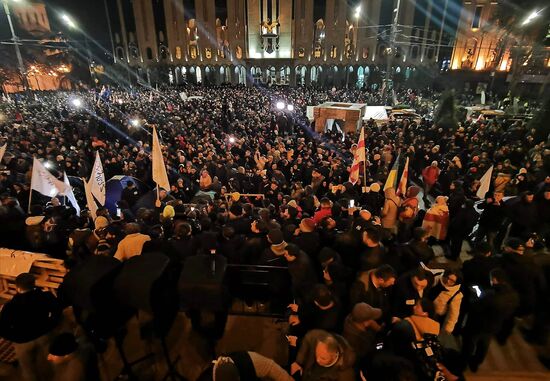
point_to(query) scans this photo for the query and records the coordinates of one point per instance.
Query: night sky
(88, 14)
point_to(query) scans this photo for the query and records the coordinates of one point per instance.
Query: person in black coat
(255, 242)
(237, 220)
(492, 218)
(523, 214)
(307, 237)
(461, 225)
(489, 315)
(27, 320)
(522, 277)
(409, 289)
(476, 271)
(130, 194)
(301, 271)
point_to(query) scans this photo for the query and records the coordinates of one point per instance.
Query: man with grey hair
(324, 355)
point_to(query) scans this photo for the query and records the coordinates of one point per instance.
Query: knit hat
(275, 236)
(362, 312)
(101, 222)
(168, 212)
(63, 345)
(308, 225)
(375, 187)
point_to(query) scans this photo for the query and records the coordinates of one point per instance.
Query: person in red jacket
(430, 175)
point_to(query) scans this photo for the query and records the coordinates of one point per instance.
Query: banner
(402, 187)
(159, 169)
(3, 151)
(97, 181)
(70, 195)
(485, 183)
(44, 182)
(92, 206)
(358, 158)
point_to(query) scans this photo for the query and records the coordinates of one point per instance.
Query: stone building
(294, 42)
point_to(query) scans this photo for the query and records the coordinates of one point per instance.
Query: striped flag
(485, 183)
(358, 158)
(402, 187)
(391, 181)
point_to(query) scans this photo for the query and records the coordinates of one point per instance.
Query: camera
(429, 353)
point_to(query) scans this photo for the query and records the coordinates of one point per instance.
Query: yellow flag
(159, 169)
(391, 182)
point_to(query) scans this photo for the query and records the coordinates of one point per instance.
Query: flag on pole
(402, 187)
(358, 158)
(92, 206)
(97, 181)
(391, 181)
(69, 194)
(159, 169)
(485, 183)
(3, 151)
(44, 182)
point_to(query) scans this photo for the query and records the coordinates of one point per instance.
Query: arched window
(149, 53)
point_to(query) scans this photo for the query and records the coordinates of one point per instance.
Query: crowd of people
(371, 298)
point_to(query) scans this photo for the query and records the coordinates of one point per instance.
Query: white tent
(376, 113)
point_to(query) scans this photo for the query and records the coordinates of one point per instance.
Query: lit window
(178, 53)
(476, 22)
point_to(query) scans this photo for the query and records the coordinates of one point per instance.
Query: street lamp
(69, 21)
(290, 107)
(533, 15)
(15, 40)
(134, 122)
(280, 105)
(76, 102)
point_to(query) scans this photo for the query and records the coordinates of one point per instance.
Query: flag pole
(30, 191)
(157, 204)
(364, 164)
(30, 200)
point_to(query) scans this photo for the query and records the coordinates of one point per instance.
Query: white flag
(92, 206)
(70, 195)
(97, 181)
(159, 169)
(2, 151)
(485, 183)
(44, 182)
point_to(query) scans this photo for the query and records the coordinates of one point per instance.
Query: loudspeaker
(88, 288)
(201, 283)
(145, 283)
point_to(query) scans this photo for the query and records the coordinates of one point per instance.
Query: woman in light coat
(390, 210)
(447, 298)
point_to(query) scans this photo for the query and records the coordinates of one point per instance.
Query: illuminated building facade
(294, 42)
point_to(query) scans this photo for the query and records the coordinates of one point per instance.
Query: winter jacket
(390, 210)
(447, 304)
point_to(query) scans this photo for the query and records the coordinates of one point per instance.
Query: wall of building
(291, 41)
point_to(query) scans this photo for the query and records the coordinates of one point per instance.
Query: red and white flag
(358, 158)
(402, 187)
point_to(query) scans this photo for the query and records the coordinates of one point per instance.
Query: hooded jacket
(390, 210)
(447, 304)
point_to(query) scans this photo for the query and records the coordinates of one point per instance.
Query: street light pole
(15, 40)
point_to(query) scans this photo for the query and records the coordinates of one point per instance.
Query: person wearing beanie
(360, 328)
(71, 360)
(27, 320)
(373, 200)
(274, 254)
(307, 238)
